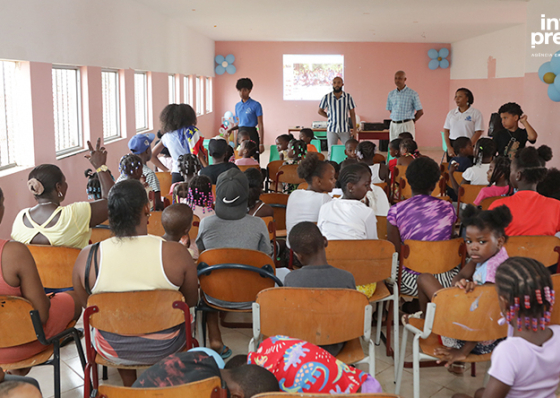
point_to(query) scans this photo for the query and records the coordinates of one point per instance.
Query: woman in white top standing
(304, 204)
(463, 121)
(347, 217)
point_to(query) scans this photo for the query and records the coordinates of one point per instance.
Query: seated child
(230, 154)
(511, 138)
(307, 135)
(350, 148)
(395, 153)
(409, 152)
(242, 136)
(463, 147)
(140, 144)
(248, 150)
(177, 222)
(130, 167)
(550, 186)
(339, 378)
(365, 154)
(526, 363)
(93, 187)
(405, 135)
(218, 149)
(477, 174)
(255, 206)
(498, 180)
(189, 166)
(485, 239)
(297, 150)
(347, 217)
(199, 364)
(282, 143)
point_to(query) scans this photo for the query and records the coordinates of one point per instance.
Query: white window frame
(8, 114)
(117, 116)
(188, 97)
(171, 82)
(209, 97)
(199, 96)
(78, 107)
(144, 124)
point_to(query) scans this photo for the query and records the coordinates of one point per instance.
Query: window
(188, 90)
(199, 96)
(8, 117)
(172, 96)
(208, 95)
(67, 110)
(141, 100)
(110, 93)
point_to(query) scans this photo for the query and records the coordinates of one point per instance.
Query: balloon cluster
(225, 64)
(438, 58)
(549, 73)
(227, 120)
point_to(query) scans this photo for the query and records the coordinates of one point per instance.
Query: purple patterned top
(423, 217)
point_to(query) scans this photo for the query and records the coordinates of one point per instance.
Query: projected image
(309, 77)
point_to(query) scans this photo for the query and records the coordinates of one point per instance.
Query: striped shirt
(403, 104)
(337, 110)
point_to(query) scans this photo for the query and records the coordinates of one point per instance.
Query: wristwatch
(102, 168)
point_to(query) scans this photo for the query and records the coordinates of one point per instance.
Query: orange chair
(55, 265)
(278, 202)
(485, 204)
(131, 314)
(555, 316)
(207, 388)
(303, 185)
(99, 233)
(193, 233)
(272, 169)
(379, 158)
(404, 188)
(309, 395)
(467, 194)
(155, 227)
(247, 167)
(288, 174)
(458, 177)
(271, 226)
(381, 227)
(165, 179)
(545, 249)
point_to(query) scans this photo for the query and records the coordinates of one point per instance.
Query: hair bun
(35, 186)
(468, 213)
(308, 165)
(545, 153)
(501, 216)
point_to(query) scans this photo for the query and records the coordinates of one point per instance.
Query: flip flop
(457, 368)
(226, 352)
(406, 317)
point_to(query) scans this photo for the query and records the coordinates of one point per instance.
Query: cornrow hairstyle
(188, 165)
(177, 116)
(366, 149)
(527, 286)
(460, 143)
(495, 220)
(299, 147)
(200, 193)
(410, 145)
(550, 186)
(531, 162)
(49, 175)
(251, 147)
(311, 167)
(352, 173)
(93, 187)
(486, 149)
(125, 203)
(255, 178)
(396, 144)
(129, 164)
(501, 170)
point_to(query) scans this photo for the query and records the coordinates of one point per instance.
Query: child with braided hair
(297, 149)
(365, 154)
(527, 363)
(484, 152)
(498, 180)
(189, 166)
(131, 168)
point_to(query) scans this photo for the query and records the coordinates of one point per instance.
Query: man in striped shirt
(336, 107)
(405, 107)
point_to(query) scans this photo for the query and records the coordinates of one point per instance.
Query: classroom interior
(170, 47)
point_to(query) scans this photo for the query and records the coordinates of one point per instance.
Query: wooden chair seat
(429, 345)
(36, 359)
(352, 352)
(164, 178)
(218, 308)
(381, 292)
(105, 362)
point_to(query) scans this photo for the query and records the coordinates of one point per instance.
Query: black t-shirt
(213, 171)
(508, 142)
(178, 369)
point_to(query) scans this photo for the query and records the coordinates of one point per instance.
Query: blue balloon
(444, 64)
(219, 59)
(433, 53)
(220, 70)
(544, 69)
(230, 59)
(231, 69)
(557, 83)
(226, 123)
(553, 94)
(555, 63)
(434, 63)
(444, 52)
(228, 115)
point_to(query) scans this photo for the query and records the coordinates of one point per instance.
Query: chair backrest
(317, 144)
(458, 177)
(155, 227)
(320, 156)
(269, 221)
(273, 168)
(485, 204)
(309, 395)
(368, 260)
(278, 202)
(378, 158)
(381, 227)
(247, 167)
(441, 186)
(214, 192)
(16, 327)
(164, 178)
(288, 174)
(405, 189)
(303, 185)
(55, 264)
(208, 388)
(443, 143)
(337, 153)
(100, 233)
(274, 155)
(318, 316)
(193, 233)
(469, 316)
(555, 316)
(234, 285)
(468, 193)
(136, 313)
(545, 249)
(433, 257)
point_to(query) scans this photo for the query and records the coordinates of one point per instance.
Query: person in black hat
(217, 149)
(231, 226)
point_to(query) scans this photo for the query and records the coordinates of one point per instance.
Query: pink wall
(369, 72)
(527, 91)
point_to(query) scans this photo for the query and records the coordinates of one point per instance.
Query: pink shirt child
(489, 192)
(246, 162)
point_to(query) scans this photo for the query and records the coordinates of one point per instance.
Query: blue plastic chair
(337, 153)
(274, 155)
(316, 144)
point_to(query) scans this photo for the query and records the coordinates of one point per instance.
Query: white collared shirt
(463, 124)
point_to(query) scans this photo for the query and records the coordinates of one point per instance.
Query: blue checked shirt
(337, 111)
(403, 104)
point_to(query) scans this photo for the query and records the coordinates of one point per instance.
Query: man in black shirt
(512, 138)
(217, 148)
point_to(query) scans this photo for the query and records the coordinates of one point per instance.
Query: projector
(319, 125)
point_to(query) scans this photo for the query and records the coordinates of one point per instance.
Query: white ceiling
(441, 21)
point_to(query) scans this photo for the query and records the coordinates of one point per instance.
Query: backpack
(495, 124)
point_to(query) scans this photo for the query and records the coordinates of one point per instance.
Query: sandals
(226, 352)
(406, 317)
(457, 368)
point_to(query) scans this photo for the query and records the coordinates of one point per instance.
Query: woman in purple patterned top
(422, 217)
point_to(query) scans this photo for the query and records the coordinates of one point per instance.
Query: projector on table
(319, 125)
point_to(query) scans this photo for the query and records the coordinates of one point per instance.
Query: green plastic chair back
(316, 144)
(443, 143)
(320, 134)
(273, 153)
(337, 153)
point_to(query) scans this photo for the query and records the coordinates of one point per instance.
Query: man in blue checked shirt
(336, 107)
(405, 107)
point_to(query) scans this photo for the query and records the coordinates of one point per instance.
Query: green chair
(443, 146)
(337, 153)
(274, 155)
(316, 144)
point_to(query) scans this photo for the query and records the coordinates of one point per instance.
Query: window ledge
(112, 140)
(67, 155)
(13, 170)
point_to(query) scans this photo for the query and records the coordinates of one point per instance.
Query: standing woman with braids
(527, 363)
(533, 214)
(49, 223)
(498, 180)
